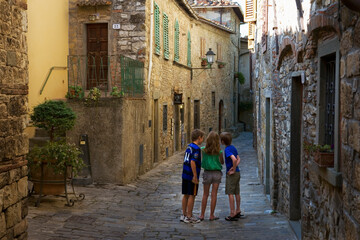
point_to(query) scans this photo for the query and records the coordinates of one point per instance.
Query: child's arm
(237, 160)
(221, 158)
(193, 168)
(233, 168)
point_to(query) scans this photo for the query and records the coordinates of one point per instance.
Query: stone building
(151, 52)
(13, 119)
(306, 79)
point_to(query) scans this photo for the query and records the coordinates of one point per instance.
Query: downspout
(151, 43)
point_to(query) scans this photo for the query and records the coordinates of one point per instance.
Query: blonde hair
(212, 144)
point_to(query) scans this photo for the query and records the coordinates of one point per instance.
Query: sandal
(230, 218)
(213, 219)
(239, 215)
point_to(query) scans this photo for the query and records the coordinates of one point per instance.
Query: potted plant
(221, 64)
(75, 92)
(94, 94)
(49, 163)
(204, 62)
(115, 92)
(323, 154)
(240, 77)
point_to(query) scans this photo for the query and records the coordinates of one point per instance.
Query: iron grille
(330, 102)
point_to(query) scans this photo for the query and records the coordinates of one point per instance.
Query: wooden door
(97, 55)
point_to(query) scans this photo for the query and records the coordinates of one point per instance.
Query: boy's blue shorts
(189, 188)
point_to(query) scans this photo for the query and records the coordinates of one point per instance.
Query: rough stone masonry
(13, 118)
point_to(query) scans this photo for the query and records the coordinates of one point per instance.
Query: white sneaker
(192, 220)
(182, 217)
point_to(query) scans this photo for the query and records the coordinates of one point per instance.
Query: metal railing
(106, 72)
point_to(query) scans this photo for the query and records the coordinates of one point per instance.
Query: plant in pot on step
(50, 162)
(323, 154)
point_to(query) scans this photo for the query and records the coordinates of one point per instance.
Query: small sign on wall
(116, 26)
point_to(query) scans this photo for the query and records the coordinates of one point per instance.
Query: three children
(211, 162)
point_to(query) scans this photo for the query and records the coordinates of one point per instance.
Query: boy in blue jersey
(190, 176)
(232, 185)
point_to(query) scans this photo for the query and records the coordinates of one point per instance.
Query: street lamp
(210, 55)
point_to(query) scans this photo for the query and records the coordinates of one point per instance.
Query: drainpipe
(151, 42)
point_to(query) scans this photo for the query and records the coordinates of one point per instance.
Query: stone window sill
(329, 174)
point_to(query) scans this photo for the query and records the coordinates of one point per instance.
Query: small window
(213, 99)
(219, 52)
(202, 47)
(165, 118)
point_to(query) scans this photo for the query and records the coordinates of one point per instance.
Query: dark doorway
(188, 132)
(177, 127)
(267, 153)
(197, 114)
(97, 56)
(221, 107)
(156, 130)
(295, 149)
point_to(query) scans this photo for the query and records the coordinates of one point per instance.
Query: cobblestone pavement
(150, 208)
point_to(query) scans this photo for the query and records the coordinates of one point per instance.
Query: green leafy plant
(115, 92)
(94, 94)
(58, 156)
(311, 147)
(240, 77)
(53, 116)
(75, 92)
(56, 118)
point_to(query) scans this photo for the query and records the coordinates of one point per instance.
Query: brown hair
(226, 138)
(212, 144)
(196, 134)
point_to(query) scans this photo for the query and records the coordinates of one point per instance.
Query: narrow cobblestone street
(150, 208)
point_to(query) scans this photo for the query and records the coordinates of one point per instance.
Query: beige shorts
(232, 185)
(210, 177)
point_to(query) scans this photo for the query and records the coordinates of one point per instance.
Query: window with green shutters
(189, 50)
(176, 53)
(157, 28)
(166, 36)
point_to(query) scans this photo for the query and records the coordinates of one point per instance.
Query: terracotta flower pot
(53, 184)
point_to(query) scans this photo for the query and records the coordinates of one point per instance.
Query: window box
(324, 159)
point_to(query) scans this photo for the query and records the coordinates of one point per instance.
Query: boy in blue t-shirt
(232, 186)
(190, 176)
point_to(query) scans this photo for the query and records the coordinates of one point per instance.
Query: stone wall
(329, 196)
(13, 119)
(115, 130)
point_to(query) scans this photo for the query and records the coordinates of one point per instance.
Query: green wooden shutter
(189, 50)
(157, 28)
(176, 54)
(166, 36)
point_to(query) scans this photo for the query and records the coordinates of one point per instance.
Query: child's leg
(214, 191)
(238, 199)
(204, 200)
(184, 203)
(232, 205)
(190, 206)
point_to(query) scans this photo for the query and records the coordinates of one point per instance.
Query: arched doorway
(221, 109)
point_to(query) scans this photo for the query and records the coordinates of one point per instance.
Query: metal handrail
(48, 76)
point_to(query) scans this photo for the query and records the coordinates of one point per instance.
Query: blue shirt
(192, 153)
(230, 150)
